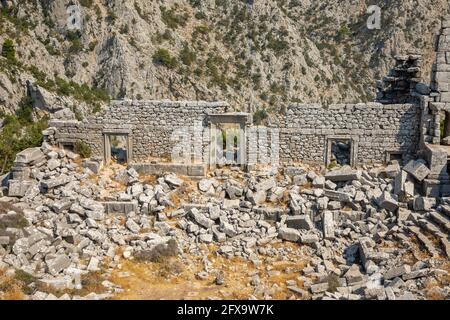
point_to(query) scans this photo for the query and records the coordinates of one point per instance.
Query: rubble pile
(358, 225)
(403, 80)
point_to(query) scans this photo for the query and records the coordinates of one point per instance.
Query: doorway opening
(119, 149)
(228, 139)
(69, 146)
(341, 152)
(444, 128)
(228, 151)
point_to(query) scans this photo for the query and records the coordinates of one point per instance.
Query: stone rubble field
(363, 234)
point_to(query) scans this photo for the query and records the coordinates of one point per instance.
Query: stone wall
(150, 125)
(305, 130)
(374, 129)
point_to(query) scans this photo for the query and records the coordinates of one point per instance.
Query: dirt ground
(176, 278)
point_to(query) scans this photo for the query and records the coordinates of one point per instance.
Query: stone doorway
(227, 139)
(444, 127)
(340, 151)
(117, 147)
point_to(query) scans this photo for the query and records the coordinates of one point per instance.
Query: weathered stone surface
(388, 202)
(201, 219)
(417, 169)
(397, 272)
(353, 274)
(289, 234)
(337, 195)
(19, 188)
(265, 185)
(346, 173)
(55, 182)
(230, 204)
(299, 222)
(173, 180)
(58, 264)
(133, 226)
(424, 203)
(328, 225)
(30, 155)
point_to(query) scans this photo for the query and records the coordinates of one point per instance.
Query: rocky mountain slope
(254, 54)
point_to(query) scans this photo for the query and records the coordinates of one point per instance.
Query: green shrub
(83, 149)
(19, 132)
(201, 30)
(92, 45)
(259, 116)
(73, 35)
(172, 19)
(75, 38)
(76, 46)
(124, 29)
(86, 3)
(8, 50)
(24, 112)
(187, 56)
(111, 17)
(343, 32)
(163, 57)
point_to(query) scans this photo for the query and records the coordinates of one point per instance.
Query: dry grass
(10, 287)
(175, 277)
(91, 282)
(149, 179)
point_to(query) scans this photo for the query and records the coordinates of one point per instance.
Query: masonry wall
(305, 129)
(150, 125)
(374, 129)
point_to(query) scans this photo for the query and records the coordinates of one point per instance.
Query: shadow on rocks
(158, 253)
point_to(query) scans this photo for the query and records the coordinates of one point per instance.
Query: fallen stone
(230, 204)
(418, 169)
(318, 182)
(416, 274)
(58, 264)
(30, 155)
(265, 185)
(353, 275)
(423, 203)
(397, 272)
(392, 170)
(132, 226)
(388, 202)
(289, 234)
(55, 182)
(201, 219)
(345, 173)
(173, 180)
(328, 225)
(302, 222)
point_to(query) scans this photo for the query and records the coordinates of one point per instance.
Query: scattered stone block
(418, 169)
(346, 173)
(397, 272)
(289, 234)
(328, 225)
(302, 222)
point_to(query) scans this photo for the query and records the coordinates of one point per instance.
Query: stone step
(436, 231)
(445, 209)
(428, 244)
(445, 244)
(441, 220)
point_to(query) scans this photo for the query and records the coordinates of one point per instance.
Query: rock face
(104, 44)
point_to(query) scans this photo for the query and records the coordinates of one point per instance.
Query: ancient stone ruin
(359, 186)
